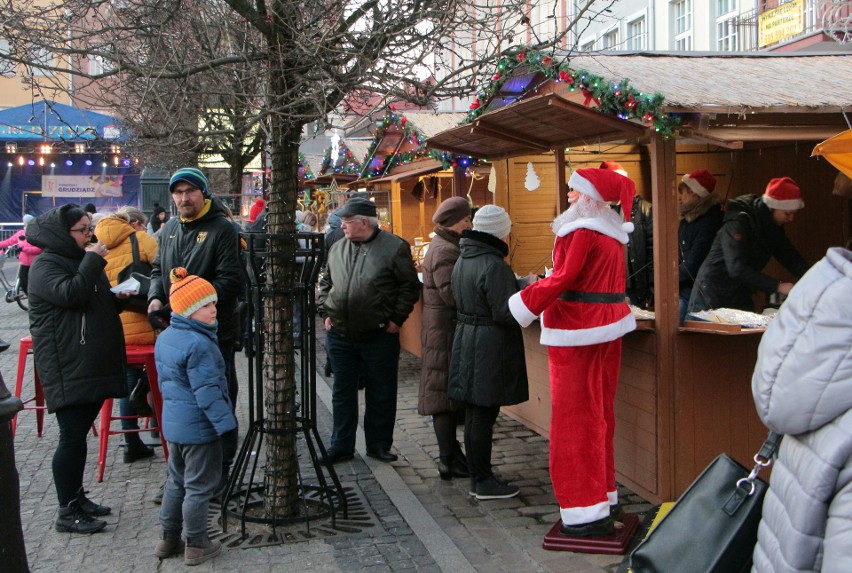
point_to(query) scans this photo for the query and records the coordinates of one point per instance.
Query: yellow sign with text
(781, 23)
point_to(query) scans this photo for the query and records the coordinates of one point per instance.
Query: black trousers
(478, 439)
(69, 460)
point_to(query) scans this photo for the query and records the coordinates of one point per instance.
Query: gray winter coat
(802, 387)
(487, 367)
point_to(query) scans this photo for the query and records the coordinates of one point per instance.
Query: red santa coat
(588, 256)
(585, 360)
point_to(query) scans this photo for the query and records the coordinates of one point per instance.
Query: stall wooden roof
(728, 100)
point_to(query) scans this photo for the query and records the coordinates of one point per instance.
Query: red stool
(25, 349)
(140, 356)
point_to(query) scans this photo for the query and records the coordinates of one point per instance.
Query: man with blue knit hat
(203, 241)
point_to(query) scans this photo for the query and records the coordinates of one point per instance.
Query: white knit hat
(493, 220)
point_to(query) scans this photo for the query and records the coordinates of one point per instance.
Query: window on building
(726, 25)
(7, 68)
(682, 24)
(96, 65)
(588, 46)
(636, 34)
(42, 59)
(610, 40)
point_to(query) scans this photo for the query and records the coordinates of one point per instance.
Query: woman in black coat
(78, 346)
(487, 368)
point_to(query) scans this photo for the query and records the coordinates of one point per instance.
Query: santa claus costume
(583, 317)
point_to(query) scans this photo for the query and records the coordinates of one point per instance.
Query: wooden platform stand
(615, 544)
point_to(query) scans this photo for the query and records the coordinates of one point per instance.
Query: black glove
(22, 238)
(159, 319)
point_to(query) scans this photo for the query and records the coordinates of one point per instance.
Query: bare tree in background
(226, 76)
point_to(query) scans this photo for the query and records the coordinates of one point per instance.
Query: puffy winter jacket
(28, 251)
(115, 234)
(77, 338)
(438, 324)
(196, 406)
(731, 273)
(802, 387)
(207, 246)
(367, 284)
(488, 367)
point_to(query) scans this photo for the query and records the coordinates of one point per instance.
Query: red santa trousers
(583, 380)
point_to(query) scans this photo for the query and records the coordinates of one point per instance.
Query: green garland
(346, 164)
(394, 119)
(617, 99)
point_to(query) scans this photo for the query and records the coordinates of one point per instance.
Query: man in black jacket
(368, 290)
(752, 233)
(202, 240)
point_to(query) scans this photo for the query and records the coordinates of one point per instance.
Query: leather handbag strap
(134, 246)
(769, 447)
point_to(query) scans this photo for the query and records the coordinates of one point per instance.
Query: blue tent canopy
(47, 120)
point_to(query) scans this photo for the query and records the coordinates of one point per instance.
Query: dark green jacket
(487, 366)
(368, 284)
(208, 247)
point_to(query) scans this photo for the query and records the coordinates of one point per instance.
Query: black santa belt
(600, 297)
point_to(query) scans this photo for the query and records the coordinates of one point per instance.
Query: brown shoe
(170, 545)
(195, 555)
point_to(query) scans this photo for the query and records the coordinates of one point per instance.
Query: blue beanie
(192, 176)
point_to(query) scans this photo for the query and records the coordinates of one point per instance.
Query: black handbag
(139, 270)
(712, 527)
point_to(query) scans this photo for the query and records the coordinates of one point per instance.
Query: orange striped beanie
(189, 292)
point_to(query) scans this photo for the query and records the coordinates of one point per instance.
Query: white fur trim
(628, 227)
(696, 187)
(587, 336)
(583, 185)
(520, 311)
(613, 497)
(581, 515)
(621, 172)
(783, 205)
(600, 225)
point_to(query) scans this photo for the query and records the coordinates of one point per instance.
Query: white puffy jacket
(802, 387)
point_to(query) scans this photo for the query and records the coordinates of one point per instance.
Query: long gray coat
(488, 367)
(438, 323)
(802, 387)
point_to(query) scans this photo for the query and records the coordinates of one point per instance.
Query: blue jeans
(194, 474)
(378, 359)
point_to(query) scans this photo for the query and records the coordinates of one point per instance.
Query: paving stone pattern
(490, 536)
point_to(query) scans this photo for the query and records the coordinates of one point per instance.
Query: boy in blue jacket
(196, 412)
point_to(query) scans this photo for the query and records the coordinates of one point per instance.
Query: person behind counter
(640, 248)
(700, 210)
(437, 332)
(751, 234)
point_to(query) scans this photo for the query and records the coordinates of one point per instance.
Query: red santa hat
(614, 166)
(700, 182)
(605, 185)
(783, 193)
(256, 210)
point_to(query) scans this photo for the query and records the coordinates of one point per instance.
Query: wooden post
(561, 183)
(664, 200)
(459, 181)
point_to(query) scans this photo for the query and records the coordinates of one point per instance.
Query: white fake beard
(587, 208)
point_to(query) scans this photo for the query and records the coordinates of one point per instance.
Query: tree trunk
(281, 487)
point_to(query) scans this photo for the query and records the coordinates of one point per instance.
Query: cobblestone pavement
(418, 522)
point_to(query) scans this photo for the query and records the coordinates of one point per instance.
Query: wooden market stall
(684, 394)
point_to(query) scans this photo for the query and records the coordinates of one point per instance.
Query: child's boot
(200, 549)
(169, 545)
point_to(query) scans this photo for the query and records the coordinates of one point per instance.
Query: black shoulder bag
(712, 528)
(141, 271)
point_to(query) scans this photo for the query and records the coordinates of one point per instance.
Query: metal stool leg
(106, 418)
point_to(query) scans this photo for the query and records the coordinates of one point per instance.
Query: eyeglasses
(85, 230)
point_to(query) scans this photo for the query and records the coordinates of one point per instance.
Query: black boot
(72, 519)
(454, 465)
(135, 449)
(90, 506)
